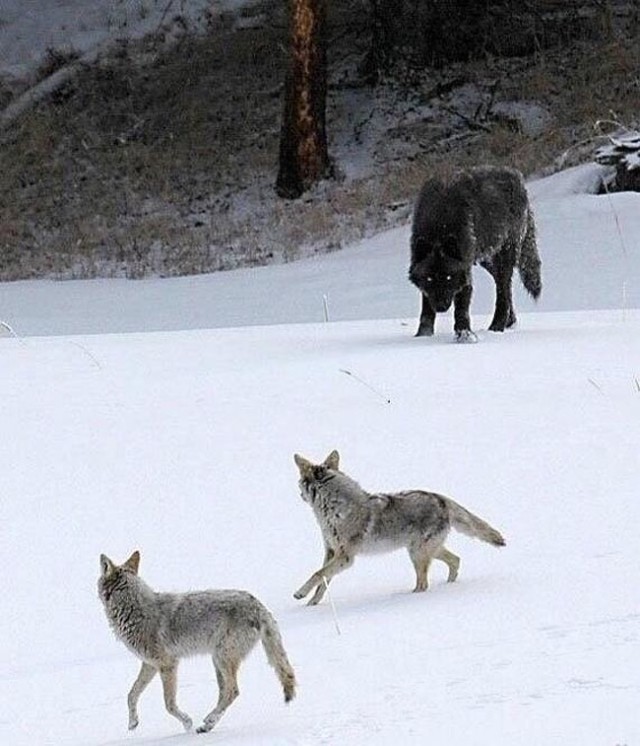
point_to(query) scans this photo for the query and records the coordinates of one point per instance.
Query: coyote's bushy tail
(468, 523)
(529, 264)
(276, 654)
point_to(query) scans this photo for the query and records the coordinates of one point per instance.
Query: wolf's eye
(448, 278)
(429, 279)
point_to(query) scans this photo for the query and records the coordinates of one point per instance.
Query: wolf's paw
(187, 723)
(466, 336)
(204, 728)
(424, 332)
(133, 723)
(299, 594)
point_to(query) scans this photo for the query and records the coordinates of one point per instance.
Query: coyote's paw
(133, 723)
(187, 723)
(453, 572)
(466, 336)
(299, 594)
(209, 722)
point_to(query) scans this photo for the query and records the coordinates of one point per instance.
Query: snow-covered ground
(28, 28)
(180, 444)
(589, 245)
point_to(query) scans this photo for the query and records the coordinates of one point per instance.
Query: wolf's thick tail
(276, 654)
(468, 523)
(529, 264)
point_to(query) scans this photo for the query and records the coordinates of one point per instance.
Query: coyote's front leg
(320, 589)
(147, 672)
(339, 562)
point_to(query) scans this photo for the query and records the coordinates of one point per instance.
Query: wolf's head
(112, 575)
(439, 277)
(311, 474)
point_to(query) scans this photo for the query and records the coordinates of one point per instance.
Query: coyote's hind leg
(227, 676)
(451, 560)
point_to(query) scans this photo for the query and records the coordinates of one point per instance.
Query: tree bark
(304, 157)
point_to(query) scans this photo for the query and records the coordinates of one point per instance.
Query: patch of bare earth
(161, 159)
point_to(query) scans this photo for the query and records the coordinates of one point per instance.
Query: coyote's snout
(161, 628)
(354, 521)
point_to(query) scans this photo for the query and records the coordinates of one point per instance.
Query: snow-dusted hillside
(180, 445)
(589, 246)
(29, 28)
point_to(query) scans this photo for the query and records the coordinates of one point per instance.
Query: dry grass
(163, 161)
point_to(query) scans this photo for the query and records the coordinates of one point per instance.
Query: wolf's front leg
(462, 320)
(147, 672)
(339, 563)
(427, 321)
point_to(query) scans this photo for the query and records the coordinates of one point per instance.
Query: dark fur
(480, 216)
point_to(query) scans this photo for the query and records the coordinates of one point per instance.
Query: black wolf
(481, 216)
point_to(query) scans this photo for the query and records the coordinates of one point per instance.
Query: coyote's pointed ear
(133, 563)
(303, 465)
(106, 565)
(333, 461)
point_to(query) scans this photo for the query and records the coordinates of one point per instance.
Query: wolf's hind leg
(451, 560)
(227, 676)
(147, 672)
(169, 676)
(338, 563)
(501, 269)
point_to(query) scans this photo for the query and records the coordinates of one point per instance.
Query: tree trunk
(304, 158)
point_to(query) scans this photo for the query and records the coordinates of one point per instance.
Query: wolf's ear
(304, 466)
(133, 563)
(106, 566)
(333, 461)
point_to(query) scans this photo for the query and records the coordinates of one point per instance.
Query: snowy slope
(180, 444)
(588, 243)
(28, 28)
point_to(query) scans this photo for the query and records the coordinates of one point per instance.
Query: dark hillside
(161, 159)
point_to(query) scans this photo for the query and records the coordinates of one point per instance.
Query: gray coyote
(161, 628)
(353, 521)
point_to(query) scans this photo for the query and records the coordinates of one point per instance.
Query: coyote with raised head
(161, 628)
(353, 521)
